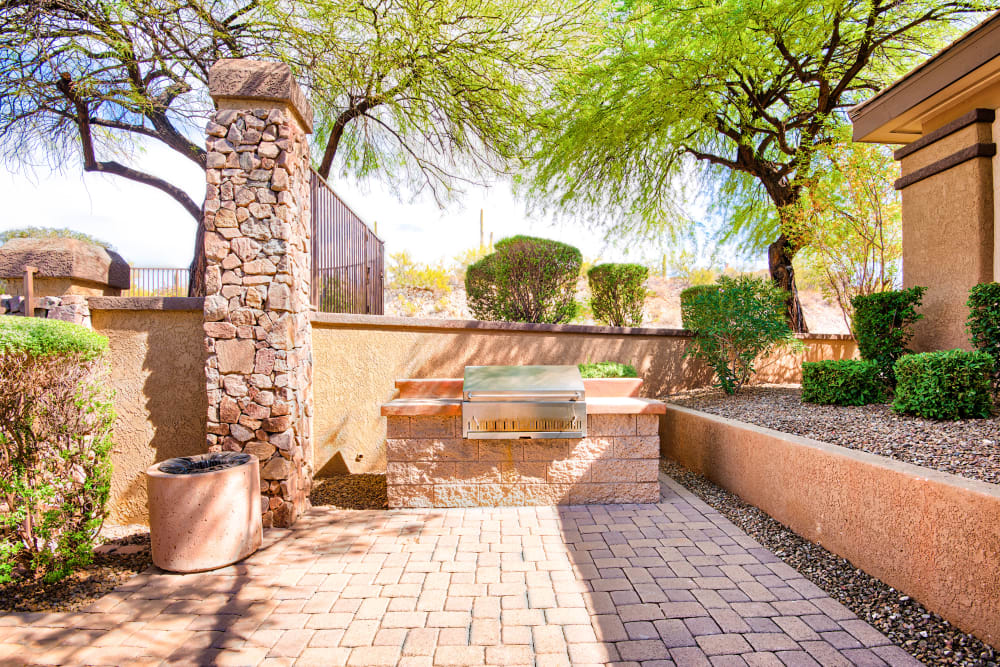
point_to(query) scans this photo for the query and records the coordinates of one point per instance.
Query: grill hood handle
(564, 396)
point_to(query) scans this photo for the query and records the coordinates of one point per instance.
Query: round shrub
(944, 385)
(689, 294)
(842, 382)
(735, 324)
(883, 326)
(618, 293)
(55, 437)
(984, 324)
(526, 279)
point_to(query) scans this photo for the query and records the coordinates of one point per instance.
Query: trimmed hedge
(607, 369)
(984, 324)
(883, 326)
(618, 293)
(526, 279)
(951, 384)
(40, 337)
(689, 294)
(842, 382)
(55, 445)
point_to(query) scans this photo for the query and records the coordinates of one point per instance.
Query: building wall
(358, 358)
(157, 372)
(948, 234)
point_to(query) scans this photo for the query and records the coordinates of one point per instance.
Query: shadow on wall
(157, 372)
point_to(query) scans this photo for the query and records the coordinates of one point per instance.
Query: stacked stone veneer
(258, 338)
(431, 465)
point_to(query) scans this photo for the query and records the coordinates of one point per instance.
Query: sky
(148, 228)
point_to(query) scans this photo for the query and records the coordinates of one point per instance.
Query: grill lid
(522, 383)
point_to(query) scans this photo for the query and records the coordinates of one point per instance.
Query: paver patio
(670, 583)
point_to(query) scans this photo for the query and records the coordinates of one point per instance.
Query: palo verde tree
(427, 92)
(739, 92)
(430, 93)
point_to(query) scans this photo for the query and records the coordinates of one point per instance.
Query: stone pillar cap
(64, 258)
(246, 79)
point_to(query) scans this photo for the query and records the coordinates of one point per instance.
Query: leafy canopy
(738, 91)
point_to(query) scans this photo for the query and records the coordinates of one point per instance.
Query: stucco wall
(157, 371)
(948, 235)
(358, 358)
(926, 533)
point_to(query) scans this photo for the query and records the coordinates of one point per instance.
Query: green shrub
(526, 279)
(55, 438)
(984, 324)
(842, 382)
(688, 295)
(883, 326)
(735, 324)
(944, 385)
(607, 369)
(618, 293)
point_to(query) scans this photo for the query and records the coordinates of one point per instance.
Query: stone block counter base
(430, 464)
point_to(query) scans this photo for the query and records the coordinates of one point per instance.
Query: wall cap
(146, 303)
(384, 322)
(246, 79)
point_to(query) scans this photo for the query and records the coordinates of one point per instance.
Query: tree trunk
(779, 263)
(196, 278)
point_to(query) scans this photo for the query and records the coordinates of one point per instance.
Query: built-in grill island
(521, 435)
(502, 402)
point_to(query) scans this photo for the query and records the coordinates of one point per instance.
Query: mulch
(123, 553)
(365, 491)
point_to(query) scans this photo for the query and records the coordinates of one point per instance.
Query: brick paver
(672, 583)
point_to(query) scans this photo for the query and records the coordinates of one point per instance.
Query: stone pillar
(257, 330)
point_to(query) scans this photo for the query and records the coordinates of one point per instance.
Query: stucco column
(257, 330)
(948, 207)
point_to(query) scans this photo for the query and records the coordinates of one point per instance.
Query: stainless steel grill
(523, 402)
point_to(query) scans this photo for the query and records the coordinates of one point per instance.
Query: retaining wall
(932, 535)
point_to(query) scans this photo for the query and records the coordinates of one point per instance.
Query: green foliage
(951, 384)
(430, 95)
(526, 279)
(617, 293)
(56, 418)
(984, 324)
(734, 325)
(607, 369)
(850, 218)
(51, 233)
(40, 337)
(406, 273)
(688, 296)
(883, 326)
(842, 382)
(726, 100)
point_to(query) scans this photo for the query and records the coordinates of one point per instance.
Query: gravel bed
(350, 492)
(123, 552)
(922, 633)
(970, 447)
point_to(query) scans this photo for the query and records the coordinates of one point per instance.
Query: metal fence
(147, 281)
(348, 260)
